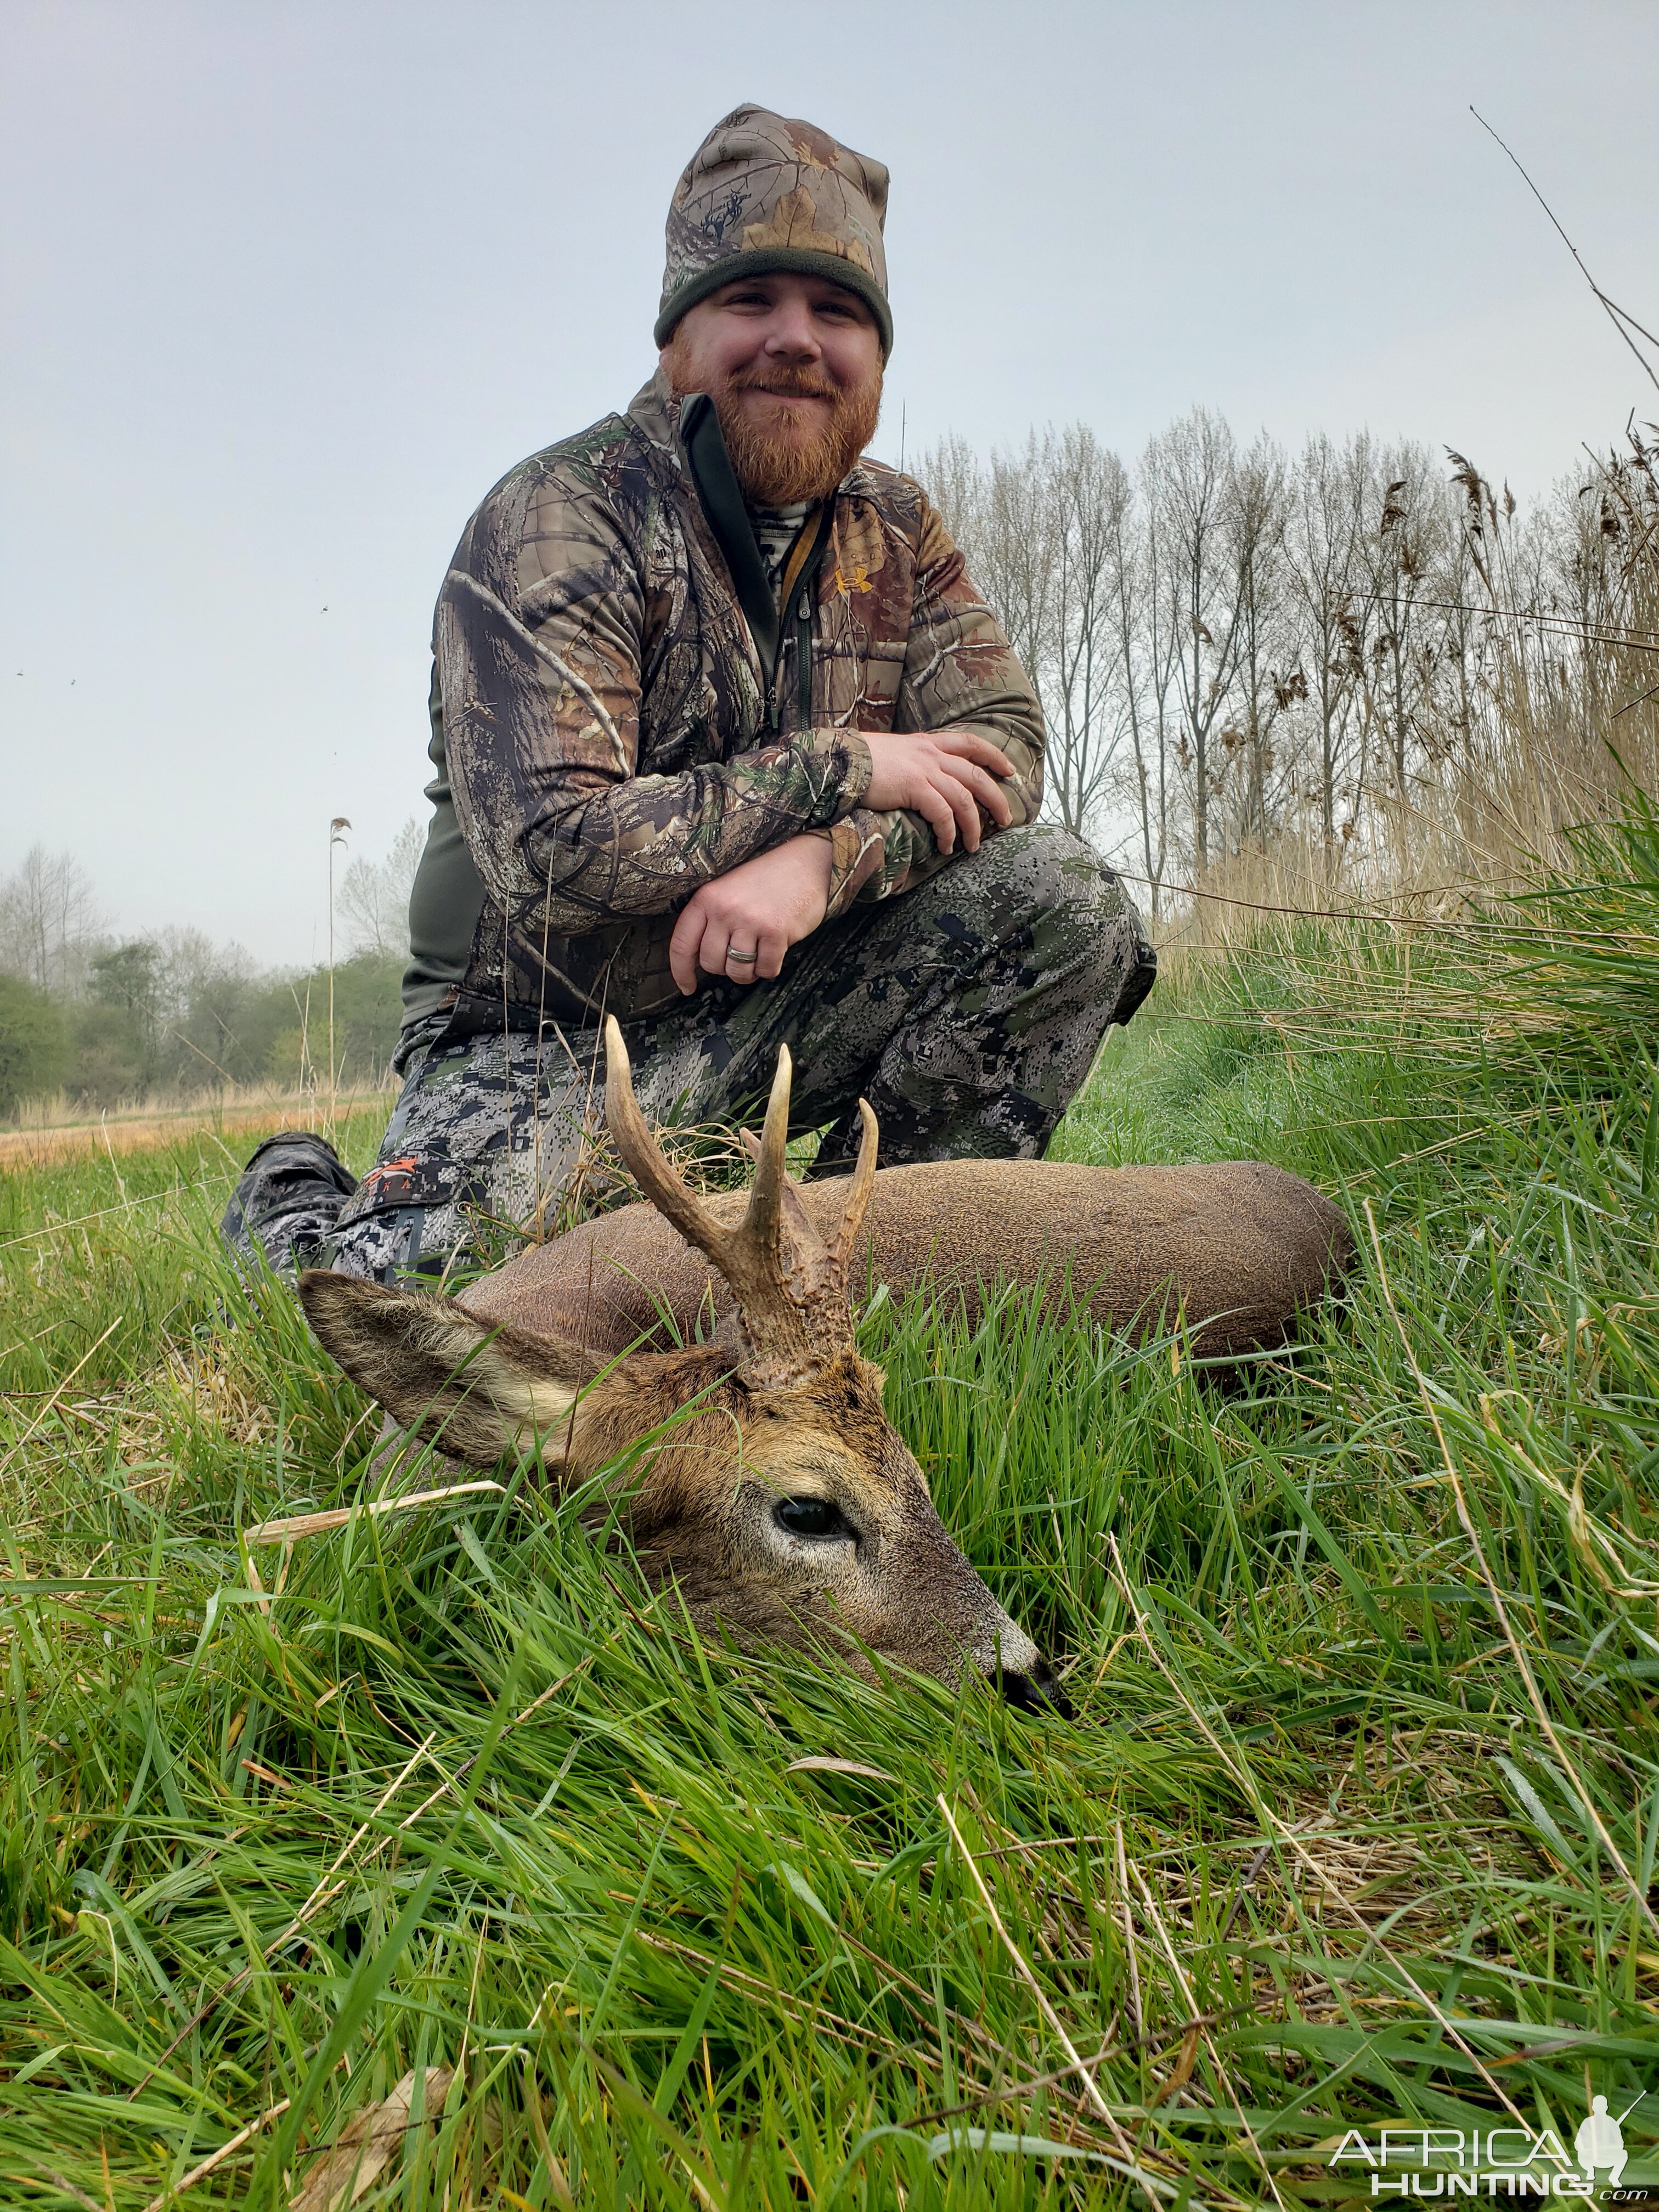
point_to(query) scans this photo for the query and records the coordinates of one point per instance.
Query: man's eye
(810, 1517)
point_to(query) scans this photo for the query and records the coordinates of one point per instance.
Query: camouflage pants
(967, 1011)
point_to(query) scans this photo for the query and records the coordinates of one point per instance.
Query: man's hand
(741, 924)
(945, 776)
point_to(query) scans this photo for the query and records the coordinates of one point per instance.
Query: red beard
(797, 452)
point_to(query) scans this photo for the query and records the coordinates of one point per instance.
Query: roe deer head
(767, 1483)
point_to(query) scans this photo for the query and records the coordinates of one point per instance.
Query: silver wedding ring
(744, 959)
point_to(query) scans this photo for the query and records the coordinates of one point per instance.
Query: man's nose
(790, 334)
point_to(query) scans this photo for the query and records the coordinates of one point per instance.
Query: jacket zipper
(803, 664)
(804, 586)
(803, 655)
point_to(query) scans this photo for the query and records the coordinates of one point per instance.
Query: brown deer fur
(1239, 1247)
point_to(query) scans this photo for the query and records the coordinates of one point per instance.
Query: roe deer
(773, 1490)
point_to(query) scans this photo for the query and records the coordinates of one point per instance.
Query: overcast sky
(288, 286)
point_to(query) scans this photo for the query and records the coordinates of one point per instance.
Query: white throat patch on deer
(760, 1475)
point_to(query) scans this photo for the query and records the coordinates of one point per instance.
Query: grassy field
(55, 1133)
(1355, 1825)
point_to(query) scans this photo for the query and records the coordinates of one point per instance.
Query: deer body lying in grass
(763, 1476)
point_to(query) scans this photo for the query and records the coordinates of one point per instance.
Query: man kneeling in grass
(727, 745)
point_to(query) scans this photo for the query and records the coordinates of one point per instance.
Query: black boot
(287, 1200)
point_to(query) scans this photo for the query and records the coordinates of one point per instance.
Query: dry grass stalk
(314, 1524)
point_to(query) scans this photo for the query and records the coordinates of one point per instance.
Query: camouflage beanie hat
(764, 192)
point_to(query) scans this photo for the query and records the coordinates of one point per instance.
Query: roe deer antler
(790, 1286)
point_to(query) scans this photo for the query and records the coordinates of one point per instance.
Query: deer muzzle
(1037, 1690)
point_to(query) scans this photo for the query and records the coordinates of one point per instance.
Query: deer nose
(1037, 1691)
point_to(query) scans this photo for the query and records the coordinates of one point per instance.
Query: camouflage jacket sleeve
(960, 673)
(542, 634)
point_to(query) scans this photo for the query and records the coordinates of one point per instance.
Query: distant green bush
(287, 1025)
(33, 1044)
(139, 1031)
(105, 1058)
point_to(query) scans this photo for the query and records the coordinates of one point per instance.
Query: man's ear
(473, 1390)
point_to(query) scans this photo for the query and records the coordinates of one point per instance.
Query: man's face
(793, 367)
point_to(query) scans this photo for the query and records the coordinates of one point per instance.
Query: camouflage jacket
(600, 710)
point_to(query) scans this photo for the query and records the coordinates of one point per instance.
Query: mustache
(784, 383)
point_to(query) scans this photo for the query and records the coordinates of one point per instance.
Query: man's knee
(1045, 890)
(1019, 877)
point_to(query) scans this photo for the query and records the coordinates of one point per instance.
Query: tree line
(1328, 656)
(104, 1017)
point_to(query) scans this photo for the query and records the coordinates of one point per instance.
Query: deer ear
(474, 1390)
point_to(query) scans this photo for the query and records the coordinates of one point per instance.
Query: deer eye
(810, 1517)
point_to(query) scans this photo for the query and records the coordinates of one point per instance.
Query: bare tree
(1404, 547)
(1088, 497)
(1189, 476)
(373, 896)
(955, 480)
(1148, 637)
(1326, 584)
(49, 922)
(1019, 555)
(1036, 528)
(1268, 648)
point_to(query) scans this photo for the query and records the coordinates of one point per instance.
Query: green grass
(1365, 1778)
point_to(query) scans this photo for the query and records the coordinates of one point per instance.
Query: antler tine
(791, 1293)
(644, 1158)
(858, 1197)
(760, 1222)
